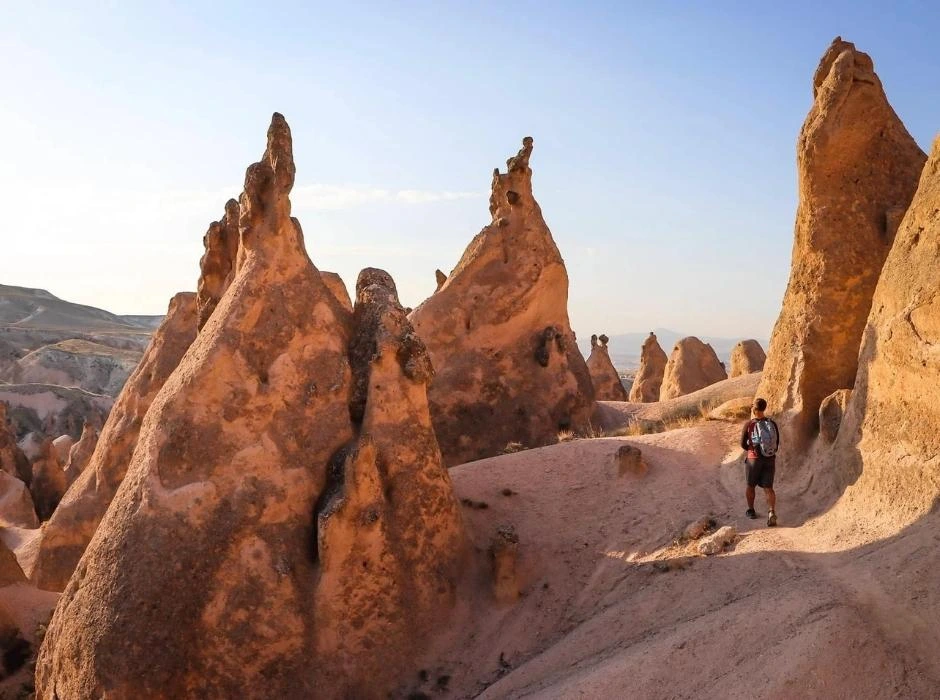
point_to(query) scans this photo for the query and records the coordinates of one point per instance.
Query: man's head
(759, 407)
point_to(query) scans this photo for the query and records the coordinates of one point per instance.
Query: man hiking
(761, 439)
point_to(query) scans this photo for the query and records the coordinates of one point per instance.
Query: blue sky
(664, 139)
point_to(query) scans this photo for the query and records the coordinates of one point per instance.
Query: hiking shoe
(771, 519)
(751, 514)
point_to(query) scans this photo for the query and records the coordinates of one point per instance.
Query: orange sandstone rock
(217, 266)
(747, 357)
(507, 365)
(693, 365)
(285, 516)
(858, 169)
(888, 443)
(65, 537)
(649, 377)
(12, 459)
(604, 377)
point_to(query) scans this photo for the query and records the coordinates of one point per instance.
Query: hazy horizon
(664, 156)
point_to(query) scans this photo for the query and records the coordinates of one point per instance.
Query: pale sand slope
(805, 610)
(613, 415)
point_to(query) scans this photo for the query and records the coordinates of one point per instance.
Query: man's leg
(771, 498)
(749, 493)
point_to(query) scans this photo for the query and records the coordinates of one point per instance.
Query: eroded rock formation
(604, 376)
(48, 483)
(390, 535)
(80, 453)
(217, 266)
(649, 377)
(889, 430)
(746, 357)
(693, 365)
(288, 467)
(336, 285)
(67, 534)
(507, 365)
(858, 169)
(12, 459)
(16, 503)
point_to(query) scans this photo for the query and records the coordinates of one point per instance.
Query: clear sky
(665, 138)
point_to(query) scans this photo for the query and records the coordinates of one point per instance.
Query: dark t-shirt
(752, 450)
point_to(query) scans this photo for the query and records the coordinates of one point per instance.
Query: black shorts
(760, 472)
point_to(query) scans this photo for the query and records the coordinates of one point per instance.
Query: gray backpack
(764, 437)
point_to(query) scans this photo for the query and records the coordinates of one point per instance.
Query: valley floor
(615, 605)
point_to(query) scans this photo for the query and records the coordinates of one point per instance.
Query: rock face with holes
(65, 537)
(287, 467)
(604, 377)
(507, 365)
(389, 527)
(693, 365)
(888, 442)
(649, 377)
(858, 169)
(747, 357)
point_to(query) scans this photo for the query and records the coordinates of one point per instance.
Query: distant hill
(625, 347)
(37, 309)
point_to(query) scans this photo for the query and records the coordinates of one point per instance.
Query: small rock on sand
(717, 541)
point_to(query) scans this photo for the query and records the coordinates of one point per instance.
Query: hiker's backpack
(764, 437)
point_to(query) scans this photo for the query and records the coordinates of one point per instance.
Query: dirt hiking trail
(615, 604)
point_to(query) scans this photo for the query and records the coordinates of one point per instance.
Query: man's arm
(746, 437)
(777, 428)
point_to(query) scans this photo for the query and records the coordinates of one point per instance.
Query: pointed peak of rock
(280, 153)
(845, 61)
(520, 161)
(264, 205)
(512, 189)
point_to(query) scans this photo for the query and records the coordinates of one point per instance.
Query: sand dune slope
(612, 606)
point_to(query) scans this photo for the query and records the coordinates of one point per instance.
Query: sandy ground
(613, 606)
(613, 415)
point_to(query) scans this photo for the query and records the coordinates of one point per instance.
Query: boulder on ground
(693, 365)
(746, 357)
(716, 542)
(858, 169)
(507, 366)
(649, 377)
(629, 460)
(604, 376)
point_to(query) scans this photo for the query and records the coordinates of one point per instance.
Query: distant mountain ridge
(625, 348)
(23, 307)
